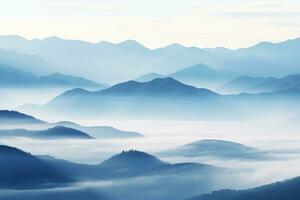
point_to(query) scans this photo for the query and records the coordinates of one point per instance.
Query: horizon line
(140, 43)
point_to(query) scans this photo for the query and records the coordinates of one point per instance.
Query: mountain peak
(158, 87)
(132, 158)
(131, 44)
(11, 116)
(11, 151)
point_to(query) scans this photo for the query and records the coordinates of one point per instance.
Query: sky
(155, 23)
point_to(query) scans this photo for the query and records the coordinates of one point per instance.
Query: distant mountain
(20, 170)
(288, 189)
(71, 56)
(26, 62)
(149, 77)
(261, 84)
(14, 117)
(167, 98)
(241, 84)
(57, 132)
(158, 87)
(10, 76)
(69, 81)
(217, 148)
(195, 72)
(101, 131)
(15, 78)
(134, 99)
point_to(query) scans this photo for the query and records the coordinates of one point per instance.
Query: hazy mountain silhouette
(135, 99)
(15, 78)
(71, 81)
(14, 124)
(262, 84)
(157, 87)
(217, 148)
(22, 170)
(241, 84)
(14, 117)
(149, 77)
(130, 163)
(135, 59)
(198, 72)
(31, 63)
(101, 131)
(133, 167)
(277, 191)
(57, 132)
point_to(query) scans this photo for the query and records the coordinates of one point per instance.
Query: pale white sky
(155, 23)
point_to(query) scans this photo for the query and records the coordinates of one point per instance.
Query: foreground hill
(142, 173)
(288, 190)
(217, 148)
(22, 170)
(57, 132)
(160, 87)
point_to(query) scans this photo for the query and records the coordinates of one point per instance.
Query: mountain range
(16, 78)
(133, 99)
(72, 56)
(262, 84)
(58, 132)
(199, 75)
(14, 117)
(167, 98)
(45, 169)
(16, 124)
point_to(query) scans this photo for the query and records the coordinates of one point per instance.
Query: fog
(12, 98)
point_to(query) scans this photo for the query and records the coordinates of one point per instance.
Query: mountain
(241, 84)
(149, 77)
(10, 76)
(101, 131)
(288, 189)
(58, 79)
(261, 84)
(72, 56)
(25, 62)
(127, 164)
(14, 117)
(134, 168)
(134, 99)
(57, 132)
(158, 87)
(15, 78)
(14, 124)
(217, 148)
(132, 159)
(195, 72)
(21, 170)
